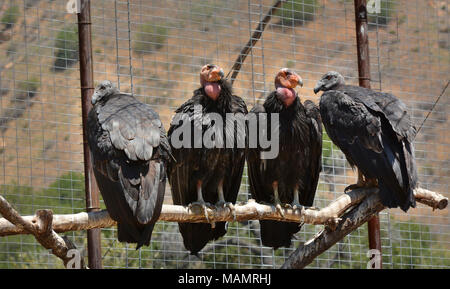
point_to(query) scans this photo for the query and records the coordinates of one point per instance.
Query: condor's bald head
(285, 82)
(210, 77)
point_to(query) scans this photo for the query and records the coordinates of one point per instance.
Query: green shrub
(296, 12)
(29, 87)
(66, 45)
(65, 195)
(149, 38)
(10, 16)
(11, 49)
(67, 187)
(409, 245)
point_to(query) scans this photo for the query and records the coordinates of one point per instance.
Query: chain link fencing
(155, 49)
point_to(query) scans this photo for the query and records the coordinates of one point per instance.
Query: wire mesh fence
(155, 49)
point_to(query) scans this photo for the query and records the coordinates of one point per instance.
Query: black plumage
(297, 167)
(129, 150)
(375, 132)
(199, 173)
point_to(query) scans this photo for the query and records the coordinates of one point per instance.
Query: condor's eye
(328, 77)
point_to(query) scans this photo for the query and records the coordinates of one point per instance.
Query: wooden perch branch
(349, 222)
(171, 213)
(40, 226)
(248, 211)
(430, 198)
(255, 211)
(44, 225)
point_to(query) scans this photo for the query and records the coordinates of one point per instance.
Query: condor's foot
(294, 206)
(201, 206)
(362, 183)
(229, 205)
(223, 204)
(371, 183)
(279, 209)
(277, 201)
(354, 187)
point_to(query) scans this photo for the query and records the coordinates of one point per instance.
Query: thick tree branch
(349, 222)
(40, 226)
(430, 198)
(248, 211)
(44, 225)
(171, 213)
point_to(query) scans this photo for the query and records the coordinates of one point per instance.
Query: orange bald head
(210, 75)
(287, 78)
(285, 82)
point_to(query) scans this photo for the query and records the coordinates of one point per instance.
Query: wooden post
(362, 42)
(87, 88)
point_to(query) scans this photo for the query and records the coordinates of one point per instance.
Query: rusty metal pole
(87, 88)
(362, 42)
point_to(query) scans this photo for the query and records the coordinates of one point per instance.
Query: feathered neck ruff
(274, 105)
(292, 120)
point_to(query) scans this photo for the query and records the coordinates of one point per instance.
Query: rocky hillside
(40, 123)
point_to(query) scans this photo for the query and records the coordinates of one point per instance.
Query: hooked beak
(318, 86)
(94, 98)
(300, 81)
(215, 74)
(291, 81)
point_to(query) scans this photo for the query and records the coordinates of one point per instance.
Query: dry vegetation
(47, 132)
(42, 139)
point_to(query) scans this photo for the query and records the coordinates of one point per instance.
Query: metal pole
(362, 42)
(87, 88)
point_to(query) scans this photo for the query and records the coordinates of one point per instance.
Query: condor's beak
(94, 98)
(318, 86)
(215, 74)
(299, 81)
(291, 81)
